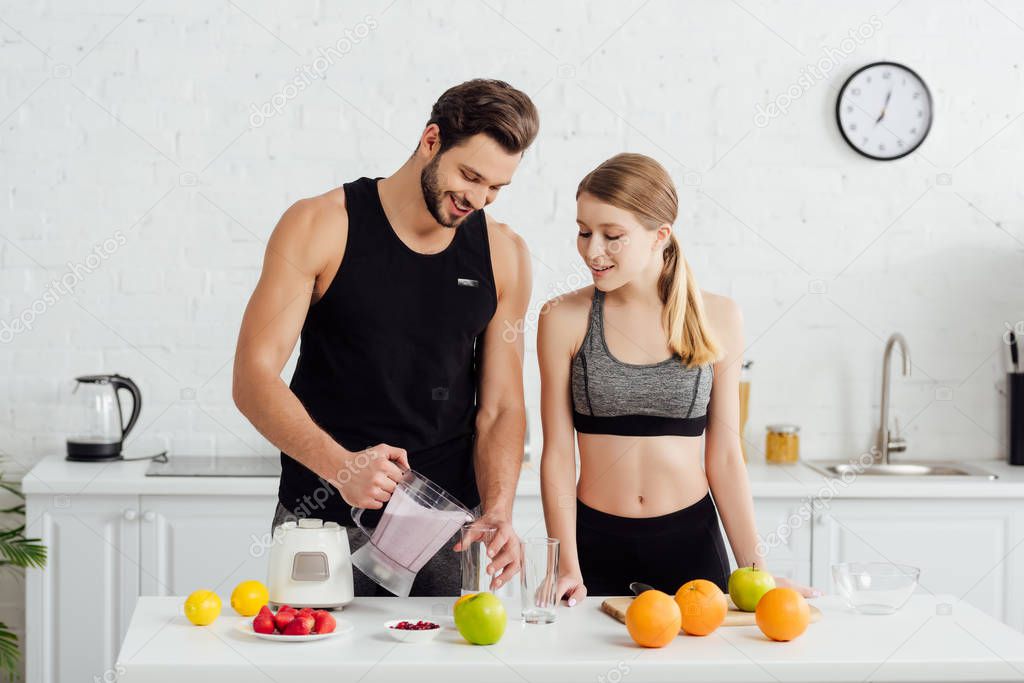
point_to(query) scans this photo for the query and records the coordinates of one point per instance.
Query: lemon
(248, 597)
(202, 607)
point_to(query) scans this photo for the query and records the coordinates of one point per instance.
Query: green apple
(481, 618)
(747, 585)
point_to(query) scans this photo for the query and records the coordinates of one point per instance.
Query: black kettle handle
(120, 382)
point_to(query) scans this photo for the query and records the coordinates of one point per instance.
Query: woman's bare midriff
(640, 476)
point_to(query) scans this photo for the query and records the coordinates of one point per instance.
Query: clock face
(884, 111)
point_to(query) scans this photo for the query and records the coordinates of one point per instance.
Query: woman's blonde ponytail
(683, 315)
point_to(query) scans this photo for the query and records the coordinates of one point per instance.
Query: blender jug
(415, 523)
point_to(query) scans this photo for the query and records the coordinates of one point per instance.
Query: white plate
(245, 626)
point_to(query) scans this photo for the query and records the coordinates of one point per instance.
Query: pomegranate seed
(417, 626)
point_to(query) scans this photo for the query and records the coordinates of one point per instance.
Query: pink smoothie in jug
(410, 534)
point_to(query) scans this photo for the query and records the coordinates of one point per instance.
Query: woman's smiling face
(613, 243)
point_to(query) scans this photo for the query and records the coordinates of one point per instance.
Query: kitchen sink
(917, 468)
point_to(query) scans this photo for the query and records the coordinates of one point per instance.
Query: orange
(653, 619)
(702, 605)
(782, 614)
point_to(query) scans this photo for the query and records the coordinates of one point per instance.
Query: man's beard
(433, 197)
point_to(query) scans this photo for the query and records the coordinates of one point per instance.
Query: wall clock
(884, 111)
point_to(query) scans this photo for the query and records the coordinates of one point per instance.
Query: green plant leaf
(16, 552)
(23, 552)
(12, 488)
(9, 652)
(12, 533)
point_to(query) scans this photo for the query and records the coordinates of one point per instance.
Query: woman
(640, 365)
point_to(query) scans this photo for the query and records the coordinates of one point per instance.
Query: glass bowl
(875, 587)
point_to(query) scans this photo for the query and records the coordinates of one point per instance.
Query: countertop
(55, 475)
(934, 638)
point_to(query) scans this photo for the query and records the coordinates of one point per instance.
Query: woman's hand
(570, 588)
(806, 591)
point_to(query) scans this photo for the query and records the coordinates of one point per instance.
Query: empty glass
(474, 539)
(875, 587)
(539, 580)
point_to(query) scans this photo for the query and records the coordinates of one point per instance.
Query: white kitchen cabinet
(784, 527)
(193, 542)
(106, 551)
(528, 517)
(79, 605)
(969, 548)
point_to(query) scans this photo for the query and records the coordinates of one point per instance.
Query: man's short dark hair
(487, 106)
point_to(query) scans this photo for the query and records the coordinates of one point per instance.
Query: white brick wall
(143, 124)
(139, 121)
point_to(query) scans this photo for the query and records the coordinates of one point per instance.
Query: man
(401, 288)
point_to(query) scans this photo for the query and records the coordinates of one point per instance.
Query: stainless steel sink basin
(917, 468)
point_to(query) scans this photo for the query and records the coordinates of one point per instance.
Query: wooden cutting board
(616, 607)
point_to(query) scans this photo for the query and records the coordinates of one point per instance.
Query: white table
(934, 638)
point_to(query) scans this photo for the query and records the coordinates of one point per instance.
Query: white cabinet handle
(148, 515)
(130, 514)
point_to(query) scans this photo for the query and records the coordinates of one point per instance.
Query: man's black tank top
(390, 354)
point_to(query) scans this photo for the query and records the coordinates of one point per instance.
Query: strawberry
(283, 618)
(299, 626)
(264, 621)
(323, 621)
(306, 611)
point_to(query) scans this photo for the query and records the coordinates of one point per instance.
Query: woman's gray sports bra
(613, 397)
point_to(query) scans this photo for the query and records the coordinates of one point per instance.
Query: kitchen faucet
(885, 443)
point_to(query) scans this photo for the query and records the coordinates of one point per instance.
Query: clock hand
(886, 104)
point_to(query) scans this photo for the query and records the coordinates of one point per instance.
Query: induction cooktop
(216, 466)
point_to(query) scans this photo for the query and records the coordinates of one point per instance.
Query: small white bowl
(404, 636)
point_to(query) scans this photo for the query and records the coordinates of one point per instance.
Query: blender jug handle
(119, 382)
(357, 514)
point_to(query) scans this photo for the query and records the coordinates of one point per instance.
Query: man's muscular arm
(501, 413)
(296, 255)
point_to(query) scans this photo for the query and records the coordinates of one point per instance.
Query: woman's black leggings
(664, 552)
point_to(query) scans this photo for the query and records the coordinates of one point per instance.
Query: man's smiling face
(465, 178)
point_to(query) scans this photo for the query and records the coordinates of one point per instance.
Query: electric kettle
(98, 428)
(310, 565)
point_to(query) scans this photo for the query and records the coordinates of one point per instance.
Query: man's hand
(504, 550)
(368, 478)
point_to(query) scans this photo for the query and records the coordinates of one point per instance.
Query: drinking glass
(475, 537)
(539, 580)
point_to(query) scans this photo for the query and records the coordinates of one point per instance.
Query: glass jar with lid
(782, 443)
